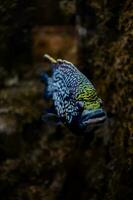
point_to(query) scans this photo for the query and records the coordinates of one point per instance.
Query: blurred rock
(11, 81)
(8, 125)
(16, 105)
(58, 41)
(106, 55)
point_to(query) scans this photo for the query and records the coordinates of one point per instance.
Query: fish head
(93, 112)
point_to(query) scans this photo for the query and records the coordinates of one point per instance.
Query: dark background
(42, 161)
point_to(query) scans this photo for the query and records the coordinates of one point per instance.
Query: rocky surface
(106, 51)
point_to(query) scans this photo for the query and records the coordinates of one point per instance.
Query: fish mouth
(93, 117)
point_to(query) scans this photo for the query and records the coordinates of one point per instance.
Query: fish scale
(71, 92)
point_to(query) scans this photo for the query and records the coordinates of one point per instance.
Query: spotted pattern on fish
(71, 91)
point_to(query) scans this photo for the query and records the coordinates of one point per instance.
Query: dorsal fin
(49, 58)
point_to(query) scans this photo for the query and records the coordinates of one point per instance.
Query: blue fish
(75, 100)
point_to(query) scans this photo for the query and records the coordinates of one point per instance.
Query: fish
(75, 99)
